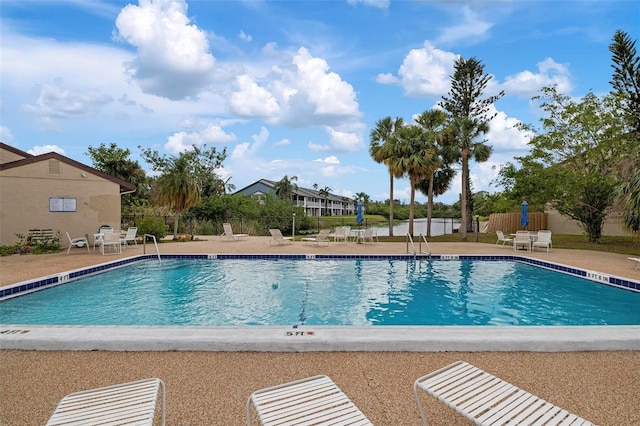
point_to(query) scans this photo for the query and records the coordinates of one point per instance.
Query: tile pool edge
(322, 338)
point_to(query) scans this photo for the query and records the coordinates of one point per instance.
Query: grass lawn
(622, 245)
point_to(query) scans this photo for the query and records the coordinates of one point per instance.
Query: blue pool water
(326, 292)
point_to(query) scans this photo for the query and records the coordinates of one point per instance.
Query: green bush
(153, 226)
(29, 244)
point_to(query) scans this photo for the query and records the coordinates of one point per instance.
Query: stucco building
(51, 191)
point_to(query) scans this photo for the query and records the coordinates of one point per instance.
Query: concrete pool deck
(210, 388)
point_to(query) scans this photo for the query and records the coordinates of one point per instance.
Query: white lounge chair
(277, 238)
(130, 236)
(228, 234)
(110, 239)
(77, 242)
(488, 400)
(635, 261)
(314, 400)
(126, 403)
(522, 239)
(542, 240)
(502, 239)
(321, 238)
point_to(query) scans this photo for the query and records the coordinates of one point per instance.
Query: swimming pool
(327, 292)
(302, 338)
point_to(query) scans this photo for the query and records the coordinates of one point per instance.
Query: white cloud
(44, 149)
(246, 149)
(245, 37)
(173, 58)
(526, 83)
(282, 142)
(503, 134)
(348, 141)
(424, 72)
(379, 4)
(56, 101)
(183, 141)
(470, 28)
(252, 100)
(5, 135)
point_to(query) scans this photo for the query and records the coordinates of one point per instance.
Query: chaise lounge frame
(488, 400)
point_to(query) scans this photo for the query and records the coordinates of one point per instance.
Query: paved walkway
(210, 388)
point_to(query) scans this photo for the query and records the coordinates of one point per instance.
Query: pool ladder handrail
(155, 243)
(421, 238)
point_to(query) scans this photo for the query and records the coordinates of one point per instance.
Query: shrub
(30, 244)
(153, 226)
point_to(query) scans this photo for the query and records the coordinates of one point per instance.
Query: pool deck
(210, 387)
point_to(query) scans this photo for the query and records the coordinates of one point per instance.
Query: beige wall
(24, 201)
(560, 224)
(8, 156)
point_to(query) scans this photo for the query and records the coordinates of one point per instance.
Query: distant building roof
(265, 185)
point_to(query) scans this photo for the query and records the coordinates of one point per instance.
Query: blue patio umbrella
(359, 218)
(524, 217)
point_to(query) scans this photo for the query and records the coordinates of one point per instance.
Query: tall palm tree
(324, 194)
(381, 151)
(464, 146)
(433, 121)
(178, 188)
(286, 187)
(416, 157)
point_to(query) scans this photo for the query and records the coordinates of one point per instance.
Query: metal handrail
(421, 238)
(155, 243)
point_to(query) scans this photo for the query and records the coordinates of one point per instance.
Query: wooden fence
(510, 222)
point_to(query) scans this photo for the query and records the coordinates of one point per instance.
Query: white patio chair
(77, 242)
(487, 400)
(130, 235)
(340, 234)
(502, 239)
(126, 403)
(542, 240)
(110, 239)
(311, 401)
(522, 239)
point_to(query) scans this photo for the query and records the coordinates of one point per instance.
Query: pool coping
(318, 338)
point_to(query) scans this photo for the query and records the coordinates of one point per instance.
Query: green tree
(181, 179)
(626, 88)
(470, 118)
(324, 194)
(433, 121)
(116, 162)
(286, 187)
(626, 79)
(381, 150)
(416, 157)
(575, 156)
(363, 198)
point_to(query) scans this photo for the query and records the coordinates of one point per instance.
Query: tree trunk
(390, 204)
(175, 225)
(429, 205)
(412, 206)
(463, 195)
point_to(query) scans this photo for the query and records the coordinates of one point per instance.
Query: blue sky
(288, 87)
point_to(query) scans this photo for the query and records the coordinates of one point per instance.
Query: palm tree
(324, 193)
(433, 121)
(463, 146)
(381, 151)
(416, 157)
(285, 187)
(178, 188)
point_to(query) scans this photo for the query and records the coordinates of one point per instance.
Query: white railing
(155, 243)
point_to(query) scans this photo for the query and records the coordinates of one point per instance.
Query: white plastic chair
(228, 234)
(311, 401)
(126, 403)
(502, 239)
(522, 239)
(542, 240)
(110, 239)
(130, 236)
(77, 242)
